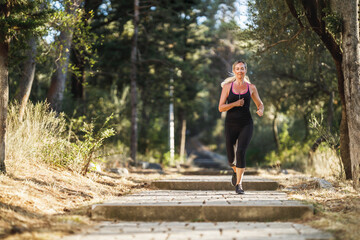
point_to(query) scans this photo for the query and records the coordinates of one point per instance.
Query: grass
(337, 210)
(43, 192)
(45, 200)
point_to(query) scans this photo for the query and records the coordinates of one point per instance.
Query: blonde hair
(233, 78)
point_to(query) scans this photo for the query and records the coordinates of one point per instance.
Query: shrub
(45, 136)
(29, 139)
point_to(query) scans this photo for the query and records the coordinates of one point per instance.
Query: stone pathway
(168, 205)
(202, 171)
(204, 213)
(204, 230)
(252, 183)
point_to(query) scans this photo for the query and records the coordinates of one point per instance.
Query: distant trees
(116, 57)
(170, 40)
(55, 94)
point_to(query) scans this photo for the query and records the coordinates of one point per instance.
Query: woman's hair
(233, 78)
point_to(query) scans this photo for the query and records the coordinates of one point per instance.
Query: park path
(203, 207)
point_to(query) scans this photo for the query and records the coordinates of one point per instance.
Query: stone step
(251, 171)
(200, 230)
(208, 206)
(251, 183)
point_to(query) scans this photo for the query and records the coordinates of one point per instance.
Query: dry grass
(42, 201)
(39, 200)
(337, 210)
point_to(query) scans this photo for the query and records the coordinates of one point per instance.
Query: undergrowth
(46, 136)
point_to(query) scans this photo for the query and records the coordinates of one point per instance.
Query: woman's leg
(239, 175)
(231, 135)
(243, 142)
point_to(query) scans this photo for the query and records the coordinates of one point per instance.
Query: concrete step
(251, 183)
(200, 230)
(251, 171)
(208, 206)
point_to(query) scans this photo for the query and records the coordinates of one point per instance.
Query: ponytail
(228, 80)
(232, 79)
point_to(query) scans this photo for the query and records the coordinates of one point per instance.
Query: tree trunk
(133, 144)
(344, 131)
(57, 87)
(4, 97)
(78, 79)
(306, 127)
(330, 112)
(144, 142)
(351, 70)
(275, 132)
(183, 136)
(27, 78)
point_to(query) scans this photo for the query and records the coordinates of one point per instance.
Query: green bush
(292, 153)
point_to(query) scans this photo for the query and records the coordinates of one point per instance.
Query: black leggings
(242, 134)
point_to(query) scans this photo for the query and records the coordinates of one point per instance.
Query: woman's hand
(239, 103)
(255, 96)
(260, 112)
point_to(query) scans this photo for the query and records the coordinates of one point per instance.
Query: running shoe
(239, 190)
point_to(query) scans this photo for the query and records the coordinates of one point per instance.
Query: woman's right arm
(223, 106)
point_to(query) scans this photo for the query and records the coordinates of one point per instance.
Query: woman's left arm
(256, 98)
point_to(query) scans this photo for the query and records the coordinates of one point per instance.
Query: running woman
(235, 100)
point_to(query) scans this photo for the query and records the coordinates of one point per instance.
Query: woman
(235, 100)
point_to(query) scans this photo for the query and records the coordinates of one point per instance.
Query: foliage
(292, 153)
(22, 18)
(84, 147)
(331, 138)
(167, 161)
(194, 43)
(295, 76)
(46, 136)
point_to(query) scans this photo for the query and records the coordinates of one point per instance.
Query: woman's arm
(223, 106)
(256, 98)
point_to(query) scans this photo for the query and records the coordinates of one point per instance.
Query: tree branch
(293, 11)
(325, 36)
(284, 40)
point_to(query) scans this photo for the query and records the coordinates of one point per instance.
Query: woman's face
(240, 70)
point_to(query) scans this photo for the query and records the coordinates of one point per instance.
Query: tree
(17, 18)
(133, 146)
(322, 16)
(294, 72)
(4, 88)
(27, 77)
(57, 87)
(349, 11)
(83, 54)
